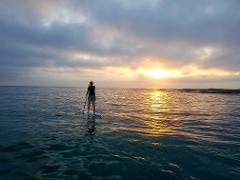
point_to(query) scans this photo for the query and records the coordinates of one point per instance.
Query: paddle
(84, 105)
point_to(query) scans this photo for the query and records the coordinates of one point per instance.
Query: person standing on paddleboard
(91, 96)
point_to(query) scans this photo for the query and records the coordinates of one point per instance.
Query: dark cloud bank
(169, 29)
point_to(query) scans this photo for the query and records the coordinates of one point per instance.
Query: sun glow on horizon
(188, 71)
(158, 73)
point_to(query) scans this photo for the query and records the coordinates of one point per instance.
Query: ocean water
(144, 134)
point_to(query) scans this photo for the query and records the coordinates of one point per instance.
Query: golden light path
(158, 103)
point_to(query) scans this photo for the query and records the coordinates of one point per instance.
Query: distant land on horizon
(212, 90)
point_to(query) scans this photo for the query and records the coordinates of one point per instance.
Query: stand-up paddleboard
(90, 114)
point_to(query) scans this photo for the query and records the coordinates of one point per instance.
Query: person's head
(90, 83)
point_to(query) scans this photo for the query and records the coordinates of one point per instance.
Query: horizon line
(108, 87)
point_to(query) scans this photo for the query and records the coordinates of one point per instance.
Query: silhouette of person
(91, 96)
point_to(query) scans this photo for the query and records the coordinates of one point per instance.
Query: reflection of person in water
(91, 125)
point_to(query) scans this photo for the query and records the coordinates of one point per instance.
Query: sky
(120, 43)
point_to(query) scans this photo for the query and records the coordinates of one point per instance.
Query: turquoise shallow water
(144, 134)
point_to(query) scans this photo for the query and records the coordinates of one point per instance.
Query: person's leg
(93, 104)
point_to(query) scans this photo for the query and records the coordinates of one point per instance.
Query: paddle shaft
(85, 104)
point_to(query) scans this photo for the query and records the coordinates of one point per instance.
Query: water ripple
(144, 134)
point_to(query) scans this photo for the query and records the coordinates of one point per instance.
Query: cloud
(116, 34)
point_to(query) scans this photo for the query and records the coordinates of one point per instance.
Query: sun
(158, 73)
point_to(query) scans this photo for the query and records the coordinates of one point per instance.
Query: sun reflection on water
(156, 116)
(159, 101)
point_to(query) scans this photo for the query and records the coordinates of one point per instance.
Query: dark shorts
(92, 98)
